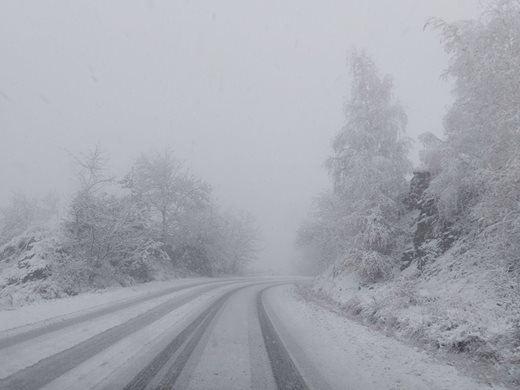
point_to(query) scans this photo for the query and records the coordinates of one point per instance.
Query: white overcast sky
(247, 93)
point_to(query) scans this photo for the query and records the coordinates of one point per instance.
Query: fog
(247, 94)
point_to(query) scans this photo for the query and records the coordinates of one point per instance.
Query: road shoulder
(353, 355)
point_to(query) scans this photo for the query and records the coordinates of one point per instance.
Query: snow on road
(41, 311)
(232, 348)
(233, 353)
(24, 354)
(112, 368)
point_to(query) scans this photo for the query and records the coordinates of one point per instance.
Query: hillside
(448, 296)
(37, 265)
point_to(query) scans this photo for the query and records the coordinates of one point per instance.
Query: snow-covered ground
(106, 351)
(459, 308)
(41, 311)
(36, 349)
(349, 355)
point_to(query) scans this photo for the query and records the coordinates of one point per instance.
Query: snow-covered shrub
(373, 266)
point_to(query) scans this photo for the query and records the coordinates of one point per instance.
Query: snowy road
(219, 334)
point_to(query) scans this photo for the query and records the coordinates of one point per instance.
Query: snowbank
(456, 306)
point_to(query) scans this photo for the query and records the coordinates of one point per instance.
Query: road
(213, 334)
(207, 335)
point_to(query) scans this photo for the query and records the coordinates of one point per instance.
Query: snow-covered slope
(451, 291)
(459, 304)
(37, 265)
(353, 356)
(26, 264)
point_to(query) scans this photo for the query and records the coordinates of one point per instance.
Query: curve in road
(270, 362)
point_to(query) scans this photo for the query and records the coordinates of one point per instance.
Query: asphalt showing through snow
(284, 369)
(208, 351)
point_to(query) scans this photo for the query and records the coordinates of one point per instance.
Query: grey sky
(248, 93)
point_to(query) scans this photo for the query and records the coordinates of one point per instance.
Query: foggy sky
(247, 93)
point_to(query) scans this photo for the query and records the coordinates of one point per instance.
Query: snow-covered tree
(23, 213)
(194, 231)
(108, 235)
(368, 168)
(16, 217)
(478, 187)
(431, 155)
(370, 152)
(213, 242)
(483, 121)
(241, 242)
(168, 190)
(323, 237)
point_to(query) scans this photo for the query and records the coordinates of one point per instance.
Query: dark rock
(419, 183)
(432, 236)
(37, 274)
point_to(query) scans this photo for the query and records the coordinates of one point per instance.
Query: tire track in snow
(164, 370)
(45, 371)
(174, 357)
(286, 374)
(55, 326)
